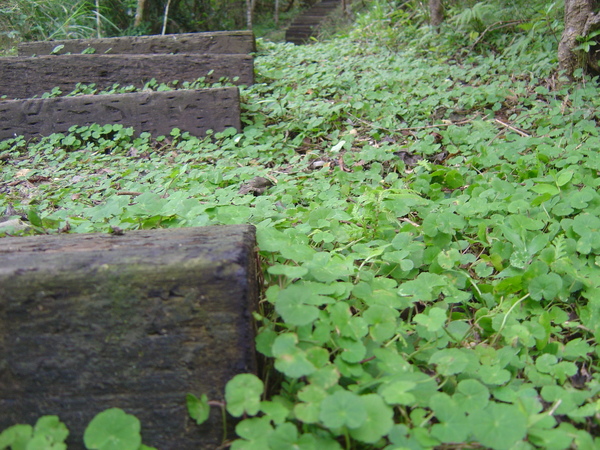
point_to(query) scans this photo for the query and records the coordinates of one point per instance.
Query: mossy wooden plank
(194, 111)
(90, 322)
(24, 77)
(222, 42)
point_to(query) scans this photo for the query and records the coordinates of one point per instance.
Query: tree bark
(580, 20)
(140, 13)
(436, 13)
(250, 12)
(98, 22)
(166, 18)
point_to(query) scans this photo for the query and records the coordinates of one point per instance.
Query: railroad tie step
(135, 321)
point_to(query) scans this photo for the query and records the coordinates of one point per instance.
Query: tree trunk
(98, 21)
(436, 13)
(249, 12)
(579, 21)
(166, 17)
(289, 6)
(140, 13)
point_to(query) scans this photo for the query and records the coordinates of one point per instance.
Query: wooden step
(306, 25)
(24, 77)
(221, 42)
(96, 321)
(194, 111)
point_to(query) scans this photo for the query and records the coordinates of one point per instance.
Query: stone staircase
(307, 24)
(133, 320)
(126, 61)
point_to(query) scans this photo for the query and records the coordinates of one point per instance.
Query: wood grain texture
(194, 111)
(90, 322)
(24, 77)
(223, 42)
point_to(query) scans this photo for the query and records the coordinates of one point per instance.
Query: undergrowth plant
(430, 241)
(111, 429)
(48, 19)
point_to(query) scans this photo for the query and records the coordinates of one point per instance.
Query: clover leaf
(378, 422)
(243, 393)
(343, 408)
(498, 426)
(198, 408)
(113, 429)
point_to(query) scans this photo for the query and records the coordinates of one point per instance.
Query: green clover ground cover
(430, 242)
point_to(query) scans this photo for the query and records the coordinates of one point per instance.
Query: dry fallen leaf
(256, 186)
(22, 172)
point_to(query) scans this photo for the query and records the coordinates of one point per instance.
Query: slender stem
(164, 28)
(224, 416)
(98, 23)
(503, 324)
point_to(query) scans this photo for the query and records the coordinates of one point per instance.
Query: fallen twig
(510, 127)
(439, 125)
(423, 127)
(493, 27)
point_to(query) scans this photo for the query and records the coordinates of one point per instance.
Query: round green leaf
(198, 408)
(397, 392)
(453, 426)
(290, 359)
(284, 437)
(343, 408)
(288, 271)
(292, 305)
(471, 395)
(499, 426)
(52, 428)
(16, 436)
(113, 429)
(255, 433)
(545, 286)
(378, 422)
(449, 361)
(242, 394)
(434, 320)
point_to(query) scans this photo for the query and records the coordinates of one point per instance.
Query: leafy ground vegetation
(428, 220)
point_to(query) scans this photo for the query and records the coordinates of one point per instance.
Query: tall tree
(250, 4)
(140, 13)
(436, 13)
(98, 21)
(580, 21)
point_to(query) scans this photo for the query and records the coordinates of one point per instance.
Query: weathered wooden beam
(24, 77)
(194, 111)
(91, 322)
(224, 42)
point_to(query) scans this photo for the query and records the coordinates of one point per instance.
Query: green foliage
(111, 429)
(429, 243)
(587, 42)
(47, 434)
(478, 17)
(198, 408)
(51, 19)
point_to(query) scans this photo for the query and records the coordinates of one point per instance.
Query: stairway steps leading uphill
(135, 319)
(127, 61)
(307, 24)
